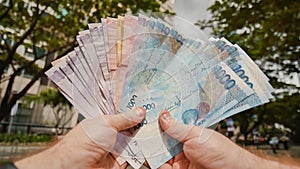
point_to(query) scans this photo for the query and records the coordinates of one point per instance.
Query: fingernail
(139, 112)
(167, 117)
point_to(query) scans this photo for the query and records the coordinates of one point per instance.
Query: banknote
(154, 102)
(97, 34)
(130, 24)
(120, 39)
(105, 39)
(265, 84)
(242, 69)
(89, 52)
(117, 81)
(112, 34)
(85, 111)
(61, 79)
(143, 61)
(131, 152)
(64, 90)
(176, 71)
(126, 37)
(146, 65)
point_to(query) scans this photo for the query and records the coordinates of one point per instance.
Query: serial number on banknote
(147, 107)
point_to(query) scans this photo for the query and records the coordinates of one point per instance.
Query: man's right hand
(205, 148)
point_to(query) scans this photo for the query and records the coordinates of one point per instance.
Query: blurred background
(35, 32)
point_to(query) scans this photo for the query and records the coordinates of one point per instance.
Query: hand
(205, 148)
(88, 145)
(179, 161)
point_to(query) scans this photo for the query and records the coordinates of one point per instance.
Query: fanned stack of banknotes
(141, 61)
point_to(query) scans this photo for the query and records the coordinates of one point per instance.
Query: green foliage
(53, 97)
(285, 111)
(58, 22)
(24, 138)
(22, 61)
(59, 105)
(267, 30)
(49, 27)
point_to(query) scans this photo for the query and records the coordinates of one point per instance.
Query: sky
(194, 10)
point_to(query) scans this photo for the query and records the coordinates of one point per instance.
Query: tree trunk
(244, 123)
(10, 99)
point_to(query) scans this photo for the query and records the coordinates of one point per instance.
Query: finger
(165, 166)
(171, 161)
(123, 166)
(181, 164)
(126, 120)
(173, 128)
(179, 157)
(180, 131)
(180, 161)
(146, 164)
(103, 130)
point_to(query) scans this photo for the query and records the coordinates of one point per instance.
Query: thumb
(127, 120)
(103, 130)
(180, 131)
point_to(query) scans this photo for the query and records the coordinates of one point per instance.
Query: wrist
(248, 160)
(274, 164)
(77, 148)
(39, 160)
(74, 148)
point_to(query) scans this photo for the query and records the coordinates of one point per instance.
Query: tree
(60, 106)
(50, 26)
(267, 30)
(286, 111)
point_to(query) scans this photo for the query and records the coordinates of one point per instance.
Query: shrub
(24, 138)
